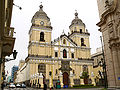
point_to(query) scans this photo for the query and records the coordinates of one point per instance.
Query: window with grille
(72, 55)
(42, 36)
(56, 54)
(64, 53)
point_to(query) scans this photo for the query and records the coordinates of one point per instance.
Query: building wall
(102, 6)
(98, 57)
(14, 69)
(109, 26)
(5, 5)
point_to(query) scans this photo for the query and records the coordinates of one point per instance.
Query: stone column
(37, 77)
(116, 64)
(37, 82)
(91, 75)
(50, 83)
(71, 79)
(92, 78)
(31, 83)
(81, 80)
(61, 79)
(41, 80)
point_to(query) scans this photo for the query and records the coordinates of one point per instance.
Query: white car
(23, 86)
(18, 85)
(12, 85)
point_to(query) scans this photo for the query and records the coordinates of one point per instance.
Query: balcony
(8, 41)
(9, 32)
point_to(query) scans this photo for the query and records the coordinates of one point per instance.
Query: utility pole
(104, 65)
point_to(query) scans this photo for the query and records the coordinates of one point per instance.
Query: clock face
(42, 23)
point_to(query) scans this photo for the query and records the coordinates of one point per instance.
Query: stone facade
(63, 59)
(110, 27)
(6, 35)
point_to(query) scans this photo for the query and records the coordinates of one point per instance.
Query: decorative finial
(107, 3)
(75, 10)
(41, 6)
(76, 14)
(63, 32)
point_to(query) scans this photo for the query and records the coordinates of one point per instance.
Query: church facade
(64, 59)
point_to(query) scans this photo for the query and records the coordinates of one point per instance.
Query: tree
(85, 76)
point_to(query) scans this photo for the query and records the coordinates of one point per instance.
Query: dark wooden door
(65, 78)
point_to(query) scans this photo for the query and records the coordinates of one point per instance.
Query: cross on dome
(76, 14)
(41, 6)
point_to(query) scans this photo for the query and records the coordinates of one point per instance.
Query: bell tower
(78, 32)
(40, 33)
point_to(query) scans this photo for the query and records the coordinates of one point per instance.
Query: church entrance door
(65, 78)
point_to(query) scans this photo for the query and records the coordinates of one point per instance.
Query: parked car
(18, 85)
(23, 86)
(12, 85)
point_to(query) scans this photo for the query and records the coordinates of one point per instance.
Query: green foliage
(104, 89)
(84, 75)
(84, 86)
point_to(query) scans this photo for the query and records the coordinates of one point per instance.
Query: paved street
(53, 89)
(49, 89)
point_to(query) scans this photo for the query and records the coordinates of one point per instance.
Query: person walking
(45, 87)
(2, 86)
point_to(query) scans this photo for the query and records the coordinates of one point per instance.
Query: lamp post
(104, 65)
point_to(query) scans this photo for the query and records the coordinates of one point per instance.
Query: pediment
(64, 40)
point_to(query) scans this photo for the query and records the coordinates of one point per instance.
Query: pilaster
(116, 62)
(61, 79)
(41, 80)
(50, 83)
(71, 79)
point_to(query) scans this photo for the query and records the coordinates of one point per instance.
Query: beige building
(109, 11)
(98, 67)
(64, 59)
(6, 34)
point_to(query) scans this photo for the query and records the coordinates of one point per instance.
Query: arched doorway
(65, 78)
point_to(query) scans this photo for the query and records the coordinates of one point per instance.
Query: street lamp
(2, 60)
(104, 65)
(17, 6)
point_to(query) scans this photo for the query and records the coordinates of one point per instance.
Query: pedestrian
(45, 87)
(2, 86)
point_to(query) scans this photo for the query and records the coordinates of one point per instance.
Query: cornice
(40, 28)
(78, 33)
(110, 10)
(82, 60)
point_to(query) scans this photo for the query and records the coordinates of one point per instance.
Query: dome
(40, 15)
(76, 21)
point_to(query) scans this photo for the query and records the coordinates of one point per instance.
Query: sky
(61, 14)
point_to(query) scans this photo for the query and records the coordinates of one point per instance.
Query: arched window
(56, 71)
(41, 68)
(64, 41)
(85, 68)
(80, 30)
(75, 29)
(42, 36)
(64, 53)
(56, 54)
(72, 55)
(82, 41)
